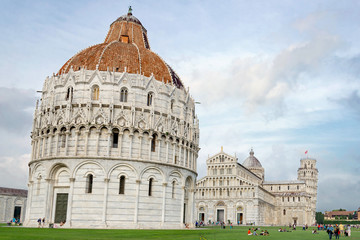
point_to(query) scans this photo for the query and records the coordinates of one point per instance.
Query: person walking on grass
(330, 231)
(337, 233)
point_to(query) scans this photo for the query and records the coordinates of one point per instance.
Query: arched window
(288, 187)
(153, 143)
(271, 188)
(279, 187)
(312, 174)
(304, 174)
(311, 166)
(95, 93)
(115, 138)
(122, 185)
(297, 187)
(89, 183)
(150, 186)
(149, 99)
(123, 95)
(69, 94)
(284, 212)
(173, 190)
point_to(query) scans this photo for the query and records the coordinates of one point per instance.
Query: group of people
(255, 230)
(14, 221)
(41, 222)
(338, 230)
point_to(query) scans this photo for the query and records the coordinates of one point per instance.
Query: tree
(319, 218)
(350, 216)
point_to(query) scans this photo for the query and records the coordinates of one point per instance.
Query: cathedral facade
(115, 139)
(237, 193)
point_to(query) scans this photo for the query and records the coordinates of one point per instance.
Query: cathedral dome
(125, 49)
(252, 161)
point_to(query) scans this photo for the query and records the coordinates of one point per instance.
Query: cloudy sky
(281, 77)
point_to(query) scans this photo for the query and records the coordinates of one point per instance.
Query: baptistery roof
(252, 161)
(125, 49)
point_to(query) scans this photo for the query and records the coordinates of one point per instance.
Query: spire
(130, 11)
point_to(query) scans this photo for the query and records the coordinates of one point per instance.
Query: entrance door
(61, 207)
(201, 217)
(239, 217)
(17, 212)
(295, 222)
(220, 215)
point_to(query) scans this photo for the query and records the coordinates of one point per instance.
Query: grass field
(214, 233)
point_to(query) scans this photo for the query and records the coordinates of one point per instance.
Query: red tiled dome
(126, 46)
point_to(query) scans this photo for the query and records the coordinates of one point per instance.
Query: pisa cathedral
(115, 143)
(237, 193)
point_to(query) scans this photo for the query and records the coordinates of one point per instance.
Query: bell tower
(309, 174)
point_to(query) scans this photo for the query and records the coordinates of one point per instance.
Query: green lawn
(208, 233)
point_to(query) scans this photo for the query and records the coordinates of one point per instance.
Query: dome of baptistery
(115, 139)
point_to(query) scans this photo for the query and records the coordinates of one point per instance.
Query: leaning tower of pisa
(309, 174)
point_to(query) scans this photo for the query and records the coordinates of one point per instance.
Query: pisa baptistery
(115, 139)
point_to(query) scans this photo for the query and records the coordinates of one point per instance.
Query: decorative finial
(222, 148)
(130, 11)
(251, 152)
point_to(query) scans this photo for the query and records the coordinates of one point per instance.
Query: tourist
(341, 227)
(43, 222)
(303, 227)
(39, 222)
(349, 230)
(249, 232)
(266, 233)
(330, 231)
(337, 233)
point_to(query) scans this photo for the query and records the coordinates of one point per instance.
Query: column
(163, 204)
(150, 138)
(77, 132)
(137, 201)
(87, 133)
(109, 143)
(182, 204)
(191, 203)
(159, 148)
(120, 143)
(33, 144)
(188, 157)
(140, 144)
(106, 181)
(131, 137)
(47, 200)
(167, 151)
(67, 142)
(57, 143)
(43, 146)
(97, 142)
(173, 158)
(28, 204)
(180, 148)
(49, 145)
(38, 147)
(70, 201)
